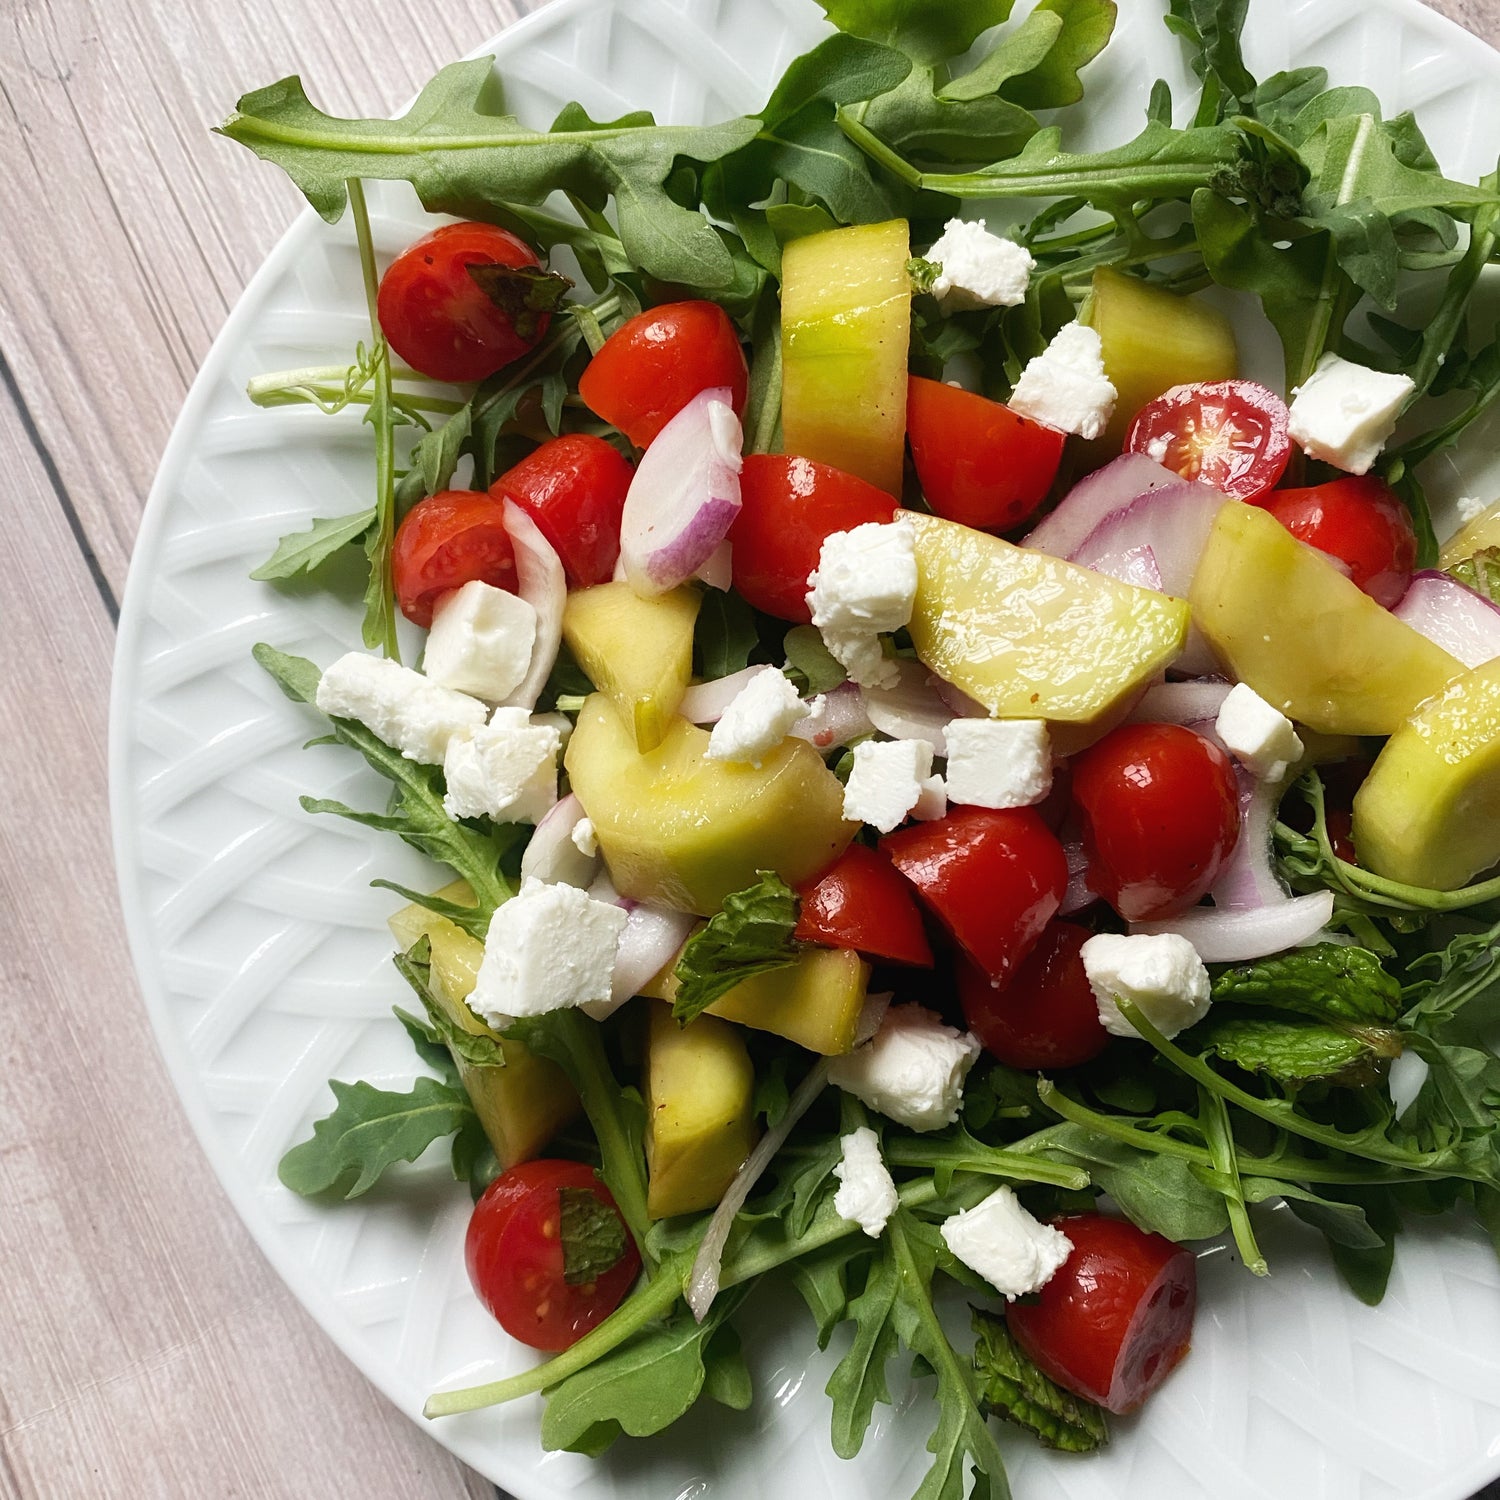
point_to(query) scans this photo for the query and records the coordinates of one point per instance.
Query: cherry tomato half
(1046, 1017)
(994, 879)
(513, 1251)
(653, 365)
(861, 902)
(1160, 813)
(435, 315)
(788, 506)
(447, 540)
(574, 488)
(1361, 522)
(1231, 434)
(1117, 1317)
(980, 463)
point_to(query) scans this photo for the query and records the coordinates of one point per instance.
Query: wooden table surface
(146, 1349)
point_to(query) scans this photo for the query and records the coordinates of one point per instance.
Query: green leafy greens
(751, 935)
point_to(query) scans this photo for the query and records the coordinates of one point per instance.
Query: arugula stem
(877, 150)
(1220, 1136)
(327, 386)
(990, 1161)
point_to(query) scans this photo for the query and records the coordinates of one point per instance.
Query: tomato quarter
(1231, 434)
(445, 541)
(861, 902)
(1361, 522)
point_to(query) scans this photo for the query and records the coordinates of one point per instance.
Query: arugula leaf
(1295, 1052)
(920, 119)
(751, 935)
(925, 32)
(1343, 1223)
(477, 1049)
(1018, 51)
(306, 551)
(724, 636)
(464, 158)
(1480, 572)
(1011, 1386)
(1212, 30)
(593, 1238)
(858, 1381)
(1053, 81)
(429, 1045)
(370, 1130)
(809, 659)
(1327, 981)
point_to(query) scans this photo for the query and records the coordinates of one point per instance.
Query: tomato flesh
(434, 314)
(1117, 1317)
(574, 488)
(447, 540)
(788, 506)
(861, 902)
(513, 1251)
(1160, 812)
(651, 367)
(1046, 1016)
(1361, 522)
(994, 879)
(1231, 434)
(980, 463)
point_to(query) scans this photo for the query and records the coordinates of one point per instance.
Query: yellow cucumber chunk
(522, 1105)
(1031, 636)
(1283, 619)
(700, 1121)
(1429, 812)
(1152, 340)
(815, 1002)
(639, 651)
(845, 326)
(1482, 532)
(679, 830)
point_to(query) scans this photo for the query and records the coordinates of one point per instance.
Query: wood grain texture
(145, 1348)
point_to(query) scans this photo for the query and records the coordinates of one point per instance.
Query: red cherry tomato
(514, 1254)
(447, 540)
(1231, 434)
(861, 902)
(434, 314)
(788, 506)
(653, 365)
(1160, 812)
(980, 463)
(1361, 522)
(1046, 1017)
(573, 487)
(1117, 1317)
(994, 879)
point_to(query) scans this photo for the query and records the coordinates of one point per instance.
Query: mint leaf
(472, 1047)
(593, 1238)
(1011, 1386)
(523, 293)
(305, 551)
(1480, 572)
(1334, 982)
(1295, 1052)
(925, 32)
(752, 935)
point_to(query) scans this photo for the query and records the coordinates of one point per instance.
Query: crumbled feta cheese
(999, 762)
(481, 641)
(584, 839)
(886, 781)
(548, 947)
(1259, 736)
(859, 653)
(758, 718)
(933, 803)
(865, 583)
(1065, 385)
(506, 770)
(912, 1070)
(1161, 974)
(1469, 508)
(997, 1238)
(867, 1195)
(1344, 412)
(397, 705)
(977, 268)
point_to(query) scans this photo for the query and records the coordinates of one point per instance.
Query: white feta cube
(912, 1070)
(547, 948)
(933, 803)
(1259, 736)
(397, 705)
(1161, 974)
(867, 1193)
(999, 762)
(886, 781)
(506, 770)
(481, 641)
(1065, 385)
(1469, 508)
(865, 584)
(584, 839)
(1344, 412)
(977, 268)
(1014, 1252)
(757, 719)
(859, 653)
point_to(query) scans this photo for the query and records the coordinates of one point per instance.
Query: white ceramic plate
(263, 954)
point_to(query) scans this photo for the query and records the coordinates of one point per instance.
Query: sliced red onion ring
(552, 856)
(1249, 881)
(705, 702)
(1464, 623)
(718, 571)
(959, 702)
(651, 938)
(684, 496)
(1194, 702)
(1172, 521)
(1231, 937)
(1135, 565)
(836, 718)
(911, 710)
(1092, 499)
(542, 583)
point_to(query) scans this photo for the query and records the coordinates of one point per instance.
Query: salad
(943, 782)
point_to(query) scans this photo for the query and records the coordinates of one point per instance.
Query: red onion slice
(1231, 937)
(1135, 565)
(684, 496)
(651, 939)
(718, 571)
(960, 704)
(705, 702)
(1092, 499)
(836, 718)
(1450, 614)
(542, 583)
(552, 856)
(1173, 522)
(1193, 702)
(911, 710)
(1249, 881)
